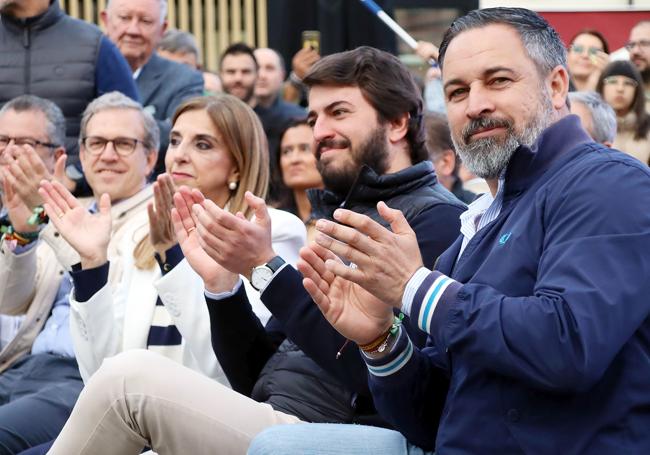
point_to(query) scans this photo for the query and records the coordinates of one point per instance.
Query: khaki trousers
(139, 398)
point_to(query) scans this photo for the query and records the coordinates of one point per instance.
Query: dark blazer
(163, 85)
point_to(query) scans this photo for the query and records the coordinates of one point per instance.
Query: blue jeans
(37, 395)
(331, 439)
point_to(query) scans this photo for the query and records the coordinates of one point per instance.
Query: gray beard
(488, 157)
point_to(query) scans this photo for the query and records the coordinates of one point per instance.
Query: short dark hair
(541, 41)
(238, 49)
(438, 134)
(595, 33)
(385, 83)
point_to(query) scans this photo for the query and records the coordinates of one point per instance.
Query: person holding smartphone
(588, 54)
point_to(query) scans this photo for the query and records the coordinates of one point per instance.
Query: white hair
(163, 8)
(603, 117)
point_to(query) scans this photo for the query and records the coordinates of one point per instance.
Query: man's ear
(558, 82)
(152, 158)
(446, 163)
(58, 152)
(103, 16)
(397, 128)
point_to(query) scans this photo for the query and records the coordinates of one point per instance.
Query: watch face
(261, 276)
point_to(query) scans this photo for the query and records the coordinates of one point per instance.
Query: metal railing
(215, 23)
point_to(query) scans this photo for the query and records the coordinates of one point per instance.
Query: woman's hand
(215, 278)
(161, 229)
(87, 233)
(599, 60)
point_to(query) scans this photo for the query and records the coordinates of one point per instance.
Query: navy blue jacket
(545, 332)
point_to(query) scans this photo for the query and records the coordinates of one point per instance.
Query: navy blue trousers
(37, 395)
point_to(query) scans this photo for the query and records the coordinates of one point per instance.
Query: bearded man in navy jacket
(538, 314)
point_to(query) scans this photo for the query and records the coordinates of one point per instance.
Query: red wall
(614, 25)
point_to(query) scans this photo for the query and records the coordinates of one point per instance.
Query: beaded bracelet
(380, 344)
(38, 217)
(14, 239)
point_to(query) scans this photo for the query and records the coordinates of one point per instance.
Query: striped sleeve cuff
(411, 288)
(395, 360)
(434, 289)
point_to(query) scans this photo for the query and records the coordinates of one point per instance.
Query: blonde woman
(217, 146)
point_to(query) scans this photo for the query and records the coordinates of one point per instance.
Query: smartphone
(311, 39)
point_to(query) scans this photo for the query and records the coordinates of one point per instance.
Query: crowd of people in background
(206, 262)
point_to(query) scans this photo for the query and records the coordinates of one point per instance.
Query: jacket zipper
(27, 46)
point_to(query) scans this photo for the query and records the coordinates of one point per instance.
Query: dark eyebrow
(330, 106)
(206, 137)
(497, 69)
(197, 137)
(335, 104)
(487, 73)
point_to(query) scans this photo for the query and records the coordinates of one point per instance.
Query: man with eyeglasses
(66, 60)
(39, 376)
(137, 27)
(639, 49)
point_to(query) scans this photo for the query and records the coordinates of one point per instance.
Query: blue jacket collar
(528, 164)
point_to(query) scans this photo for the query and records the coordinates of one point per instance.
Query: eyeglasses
(20, 141)
(124, 146)
(579, 49)
(643, 44)
(616, 80)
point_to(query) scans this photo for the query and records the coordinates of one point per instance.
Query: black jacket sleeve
(239, 340)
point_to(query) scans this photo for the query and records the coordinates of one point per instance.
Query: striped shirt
(164, 337)
(479, 214)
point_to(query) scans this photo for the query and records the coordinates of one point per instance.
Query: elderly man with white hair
(136, 27)
(597, 117)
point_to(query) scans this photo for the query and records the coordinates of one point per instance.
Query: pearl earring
(232, 186)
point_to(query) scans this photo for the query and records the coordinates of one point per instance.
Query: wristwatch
(262, 274)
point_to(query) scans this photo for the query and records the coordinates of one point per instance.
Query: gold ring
(191, 229)
(60, 214)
